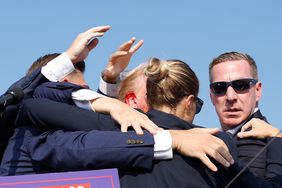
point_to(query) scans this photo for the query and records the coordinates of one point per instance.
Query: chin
(231, 123)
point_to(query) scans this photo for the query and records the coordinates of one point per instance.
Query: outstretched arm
(125, 115)
(45, 113)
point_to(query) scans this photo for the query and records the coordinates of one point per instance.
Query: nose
(231, 94)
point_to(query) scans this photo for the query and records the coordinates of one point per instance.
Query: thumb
(211, 130)
(92, 44)
(246, 126)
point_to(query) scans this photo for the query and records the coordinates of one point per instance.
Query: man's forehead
(231, 70)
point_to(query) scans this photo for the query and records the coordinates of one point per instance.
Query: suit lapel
(258, 115)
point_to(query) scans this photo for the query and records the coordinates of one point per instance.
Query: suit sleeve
(48, 114)
(274, 160)
(273, 175)
(80, 150)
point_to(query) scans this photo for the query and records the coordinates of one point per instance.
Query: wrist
(72, 58)
(173, 134)
(109, 79)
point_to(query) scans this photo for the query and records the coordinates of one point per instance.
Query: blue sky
(193, 31)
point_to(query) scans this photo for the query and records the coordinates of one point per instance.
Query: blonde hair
(168, 81)
(129, 83)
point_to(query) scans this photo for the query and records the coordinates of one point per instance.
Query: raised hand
(85, 42)
(120, 59)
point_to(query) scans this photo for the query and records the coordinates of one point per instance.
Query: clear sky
(193, 31)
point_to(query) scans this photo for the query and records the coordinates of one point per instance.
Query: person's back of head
(75, 77)
(132, 89)
(168, 81)
(43, 60)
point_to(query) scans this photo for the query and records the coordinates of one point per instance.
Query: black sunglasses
(199, 104)
(241, 85)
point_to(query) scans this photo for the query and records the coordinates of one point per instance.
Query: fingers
(136, 47)
(218, 157)
(134, 125)
(137, 128)
(220, 152)
(151, 127)
(103, 29)
(92, 44)
(84, 43)
(124, 126)
(137, 121)
(145, 123)
(92, 37)
(91, 34)
(208, 163)
(127, 45)
(245, 134)
(246, 126)
(118, 54)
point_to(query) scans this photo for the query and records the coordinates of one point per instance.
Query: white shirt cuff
(58, 68)
(108, 88)
(86, 105)
(163, 145)
(83, 97)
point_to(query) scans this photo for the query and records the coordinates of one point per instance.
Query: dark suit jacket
(180, 171)
(56, 91)
(249, 147)
(187, 172)
(33, 150)
(28, 84)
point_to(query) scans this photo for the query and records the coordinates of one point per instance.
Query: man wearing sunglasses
(235, 91)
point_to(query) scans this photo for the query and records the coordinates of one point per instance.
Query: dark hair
(43, 60)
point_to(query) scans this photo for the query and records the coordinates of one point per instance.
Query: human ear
(189, 102)
(131, 99)
(258, 88)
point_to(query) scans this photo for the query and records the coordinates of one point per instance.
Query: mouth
(232, 111)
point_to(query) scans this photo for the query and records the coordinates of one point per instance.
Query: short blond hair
(128, 84)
